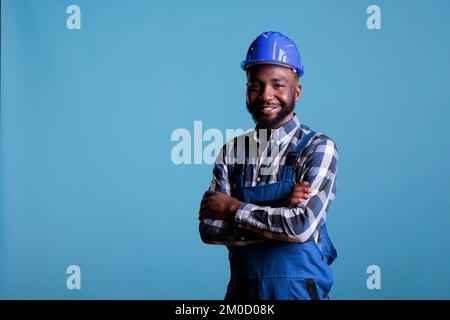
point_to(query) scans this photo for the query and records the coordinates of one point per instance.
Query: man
(270, 209)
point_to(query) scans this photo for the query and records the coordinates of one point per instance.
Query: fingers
(302, 190)
(203, 212)
(204, 204)
(205, 199)
(300, 193)
(302, 186)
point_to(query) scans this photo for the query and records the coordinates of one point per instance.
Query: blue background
(87, 117)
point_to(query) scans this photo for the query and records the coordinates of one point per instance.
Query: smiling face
(272, 91)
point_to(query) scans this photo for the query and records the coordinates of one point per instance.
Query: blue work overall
(279, 270)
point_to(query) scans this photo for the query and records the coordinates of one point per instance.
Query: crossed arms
(228, 221)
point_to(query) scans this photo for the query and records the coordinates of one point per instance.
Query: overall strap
(293, 156)
(238, 171)
(290, 163)
(238, 174)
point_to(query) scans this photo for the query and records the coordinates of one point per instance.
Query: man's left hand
(218, 205)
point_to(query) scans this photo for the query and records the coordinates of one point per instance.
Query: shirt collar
(283, 133)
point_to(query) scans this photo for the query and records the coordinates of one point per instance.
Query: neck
(283, 121)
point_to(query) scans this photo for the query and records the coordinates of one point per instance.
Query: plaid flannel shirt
(254, 223)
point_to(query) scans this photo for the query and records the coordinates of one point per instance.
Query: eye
(253, 86)
(278, 86)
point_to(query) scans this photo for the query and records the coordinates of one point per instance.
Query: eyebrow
(280, 78)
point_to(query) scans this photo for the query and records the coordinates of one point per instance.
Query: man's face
(272, 92)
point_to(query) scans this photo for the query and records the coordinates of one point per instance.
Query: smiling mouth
(269, 110)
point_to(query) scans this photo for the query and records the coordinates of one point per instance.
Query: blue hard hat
(273, 48)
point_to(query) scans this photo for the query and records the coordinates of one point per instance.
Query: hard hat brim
(246, 64)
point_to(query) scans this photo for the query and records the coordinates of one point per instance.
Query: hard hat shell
(274, 48)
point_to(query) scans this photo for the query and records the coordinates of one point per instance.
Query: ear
(298, 92)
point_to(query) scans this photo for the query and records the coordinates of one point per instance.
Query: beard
(255, 110)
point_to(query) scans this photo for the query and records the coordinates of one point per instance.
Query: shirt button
(258, 179)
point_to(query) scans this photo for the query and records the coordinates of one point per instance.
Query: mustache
(265, 104)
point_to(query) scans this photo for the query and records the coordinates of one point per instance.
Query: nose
(267, 93)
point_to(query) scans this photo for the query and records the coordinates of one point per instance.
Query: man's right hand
(299, 193)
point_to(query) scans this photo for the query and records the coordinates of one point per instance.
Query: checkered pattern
(253, 223)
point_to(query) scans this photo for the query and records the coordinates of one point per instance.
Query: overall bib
(278, 270)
